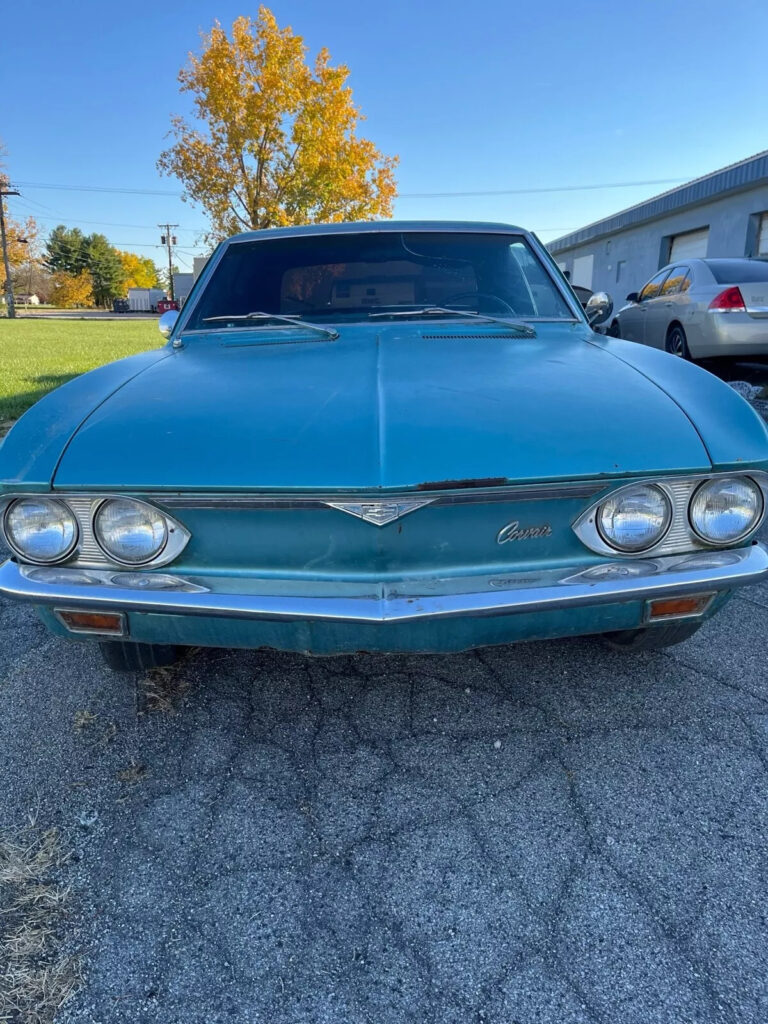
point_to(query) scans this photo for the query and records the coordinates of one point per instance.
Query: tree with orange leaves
(276, 141)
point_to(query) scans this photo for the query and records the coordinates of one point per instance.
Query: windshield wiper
(292, 320)
(526, 331)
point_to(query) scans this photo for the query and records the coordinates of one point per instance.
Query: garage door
(690, 246)
(762, 240)
(582, 271)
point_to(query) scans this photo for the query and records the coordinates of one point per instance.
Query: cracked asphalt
(551, 832)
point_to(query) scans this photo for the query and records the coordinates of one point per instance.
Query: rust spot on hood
(451, 485)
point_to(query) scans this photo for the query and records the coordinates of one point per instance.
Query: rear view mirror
(598, 308)
(167, 322)
(633, 297)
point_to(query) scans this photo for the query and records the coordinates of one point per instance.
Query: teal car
(383, 437)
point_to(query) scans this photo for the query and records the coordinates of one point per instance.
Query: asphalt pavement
(549, 833)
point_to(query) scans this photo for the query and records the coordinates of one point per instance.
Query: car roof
(711, 259)
(356, 227)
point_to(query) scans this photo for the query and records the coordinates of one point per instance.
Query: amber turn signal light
(679, 607)
(100, 623)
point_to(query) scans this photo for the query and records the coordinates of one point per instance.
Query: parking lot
(545, 833)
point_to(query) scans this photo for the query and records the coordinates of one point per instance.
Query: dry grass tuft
(162, 689)
(36, 976)
(134, 773)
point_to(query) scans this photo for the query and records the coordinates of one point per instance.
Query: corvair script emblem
(379, 512)
(513, 531)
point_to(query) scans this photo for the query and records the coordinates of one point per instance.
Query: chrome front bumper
(632, 580)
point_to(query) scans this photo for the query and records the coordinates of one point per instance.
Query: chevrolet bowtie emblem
(379, 512)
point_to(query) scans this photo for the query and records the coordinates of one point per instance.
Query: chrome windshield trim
(407, 601)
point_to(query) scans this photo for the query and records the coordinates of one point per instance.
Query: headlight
(635, 519)
(726, 510)
(129, 531)
(40, 529)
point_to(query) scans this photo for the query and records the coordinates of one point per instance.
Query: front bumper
(381, 604)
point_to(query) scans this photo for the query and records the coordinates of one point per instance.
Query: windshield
(350, 277)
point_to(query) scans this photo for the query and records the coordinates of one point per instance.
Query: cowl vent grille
(467, 337)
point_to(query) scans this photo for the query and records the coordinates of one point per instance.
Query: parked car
(582, 294)
(700, 308)
(383, 437)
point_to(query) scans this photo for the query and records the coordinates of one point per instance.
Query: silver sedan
(700, 308)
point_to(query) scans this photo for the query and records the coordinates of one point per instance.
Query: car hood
(400, 407)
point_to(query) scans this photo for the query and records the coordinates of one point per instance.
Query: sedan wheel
(677, 343)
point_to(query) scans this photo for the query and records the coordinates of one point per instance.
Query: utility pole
(169, 241)
(6, 263)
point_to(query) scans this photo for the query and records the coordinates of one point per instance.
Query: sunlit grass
(37, 356)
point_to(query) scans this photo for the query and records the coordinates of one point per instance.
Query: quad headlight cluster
(129, 532)
(720, 511)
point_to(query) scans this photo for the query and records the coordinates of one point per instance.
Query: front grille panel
(88, 552)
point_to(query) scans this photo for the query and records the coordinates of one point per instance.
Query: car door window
(653, 288)
(674, 283)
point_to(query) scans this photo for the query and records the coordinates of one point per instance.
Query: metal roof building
(721, 214)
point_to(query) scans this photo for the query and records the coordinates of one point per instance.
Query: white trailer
(144, 300)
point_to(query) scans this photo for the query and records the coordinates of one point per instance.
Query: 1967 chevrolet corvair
(383, 437)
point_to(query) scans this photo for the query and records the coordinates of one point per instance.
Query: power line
(534, 191)
(99, 188)
(402, 195)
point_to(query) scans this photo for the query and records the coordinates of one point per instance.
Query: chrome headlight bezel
(86, 552)
(137, 506)
(680, 538)
(625, 492)
(712, 484)
(18, 550)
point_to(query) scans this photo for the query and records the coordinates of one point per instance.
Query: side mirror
(598, 308)
(167, 322)
(633, 297)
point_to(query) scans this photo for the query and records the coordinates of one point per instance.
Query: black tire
(614, 331)
(652, 638)
(677, 343)
(125, 656)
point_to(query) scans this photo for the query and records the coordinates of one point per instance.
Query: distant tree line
(88, 268)
(71, 269)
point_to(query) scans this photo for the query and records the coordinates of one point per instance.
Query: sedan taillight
(729, 301)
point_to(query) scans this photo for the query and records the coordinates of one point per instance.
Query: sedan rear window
(738, 271)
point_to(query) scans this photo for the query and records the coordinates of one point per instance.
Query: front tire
(125, 656)
(652, 638)
(677, 343)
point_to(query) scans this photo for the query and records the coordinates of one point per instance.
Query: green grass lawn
(37, 356)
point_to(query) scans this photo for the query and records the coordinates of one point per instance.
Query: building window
(621, 270)
(762, 236)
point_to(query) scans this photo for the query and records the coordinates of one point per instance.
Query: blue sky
(488, 95)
